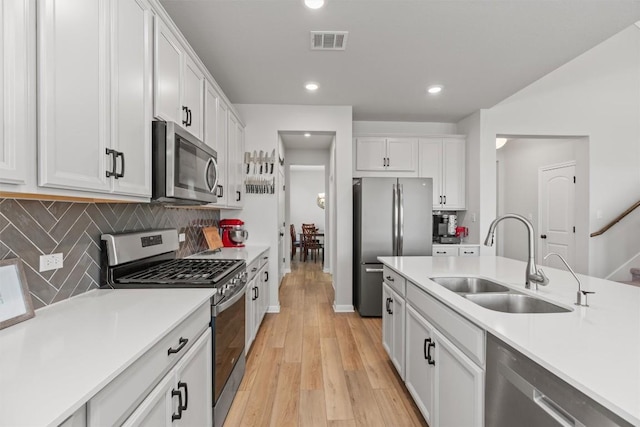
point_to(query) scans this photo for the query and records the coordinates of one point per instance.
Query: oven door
(228, 344)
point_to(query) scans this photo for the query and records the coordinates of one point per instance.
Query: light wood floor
(310, 366)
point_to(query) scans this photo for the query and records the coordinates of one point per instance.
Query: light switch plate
(182, 237)
(51, 262)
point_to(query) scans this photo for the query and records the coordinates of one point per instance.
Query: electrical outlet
(182, 237)
(50, 262)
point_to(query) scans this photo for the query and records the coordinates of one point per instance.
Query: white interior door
(556, 196)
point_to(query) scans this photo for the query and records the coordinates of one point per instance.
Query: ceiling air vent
(329, 40)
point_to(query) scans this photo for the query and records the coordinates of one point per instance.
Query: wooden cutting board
(212, 237)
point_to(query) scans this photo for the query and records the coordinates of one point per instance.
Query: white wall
(411, 128)
(260, 213)
(520, 161)
(596, 95)
(306, 183)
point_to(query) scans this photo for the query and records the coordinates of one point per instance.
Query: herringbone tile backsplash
(30, 228)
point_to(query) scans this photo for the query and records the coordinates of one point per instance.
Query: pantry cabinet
(94, 95)
(386, 154)
(443, 160)
(16, 87)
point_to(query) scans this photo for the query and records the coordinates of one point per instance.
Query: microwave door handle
(214, 188)
(206, 174)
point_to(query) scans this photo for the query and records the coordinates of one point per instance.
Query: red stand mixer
(233, 233)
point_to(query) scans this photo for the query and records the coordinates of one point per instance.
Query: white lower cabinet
(393, 327)
(257, 297)
(184, 396)
(446, 384)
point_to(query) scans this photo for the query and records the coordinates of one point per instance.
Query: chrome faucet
(534, 276)
(581, 298)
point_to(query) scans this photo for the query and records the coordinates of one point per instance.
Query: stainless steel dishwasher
(521, 393)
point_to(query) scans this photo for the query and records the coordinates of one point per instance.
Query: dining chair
(294, 241)
(310, 243)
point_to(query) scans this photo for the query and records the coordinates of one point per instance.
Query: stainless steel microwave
(185, 170)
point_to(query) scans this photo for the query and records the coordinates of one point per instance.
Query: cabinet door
(454, 174)
(223, 137)
(73, 92)
(459, 397)
(401, 154)
(212, 133)
(239, 164)
(234, 198)
(430, 154)
(131, 103)
(387, 320)
(398, 315)
(193, 96)
(168, 75)
(264, 294)
(195, 380)
(371, 154)
(156, 409)
(419, 374)
(250, 312)
(16, 16)
(444, 250)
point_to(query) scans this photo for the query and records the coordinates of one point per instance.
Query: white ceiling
(481, 50)
(315, 141)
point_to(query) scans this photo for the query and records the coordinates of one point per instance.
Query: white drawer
(467, 336)
(394, 280)
(444, 250)
(263, 258)
(469, 251)
(114, 403)
(252, 269)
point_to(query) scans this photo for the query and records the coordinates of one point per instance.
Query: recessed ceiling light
(307, 135)
(311, 87)
(314, 4)
(434, 89)
(500, 143)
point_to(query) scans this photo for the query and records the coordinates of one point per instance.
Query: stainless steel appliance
(391, 217)
(519, 392)
(148, 260)
(185, 170)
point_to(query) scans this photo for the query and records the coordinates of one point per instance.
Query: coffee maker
(442, 224)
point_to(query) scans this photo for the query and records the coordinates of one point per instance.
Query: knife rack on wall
(259, 178)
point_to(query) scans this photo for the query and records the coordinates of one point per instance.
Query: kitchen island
(595, 349)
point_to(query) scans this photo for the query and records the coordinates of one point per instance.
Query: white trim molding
(273, 309)
(343, 308)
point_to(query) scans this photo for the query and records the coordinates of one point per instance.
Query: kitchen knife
(261, 159)
(273, 159)
(255, 161)
(247, 160)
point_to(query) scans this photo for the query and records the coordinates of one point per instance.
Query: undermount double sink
(496, 297)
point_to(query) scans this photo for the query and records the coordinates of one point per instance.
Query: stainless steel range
(148, 260)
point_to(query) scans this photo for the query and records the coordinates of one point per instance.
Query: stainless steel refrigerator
(391, 217)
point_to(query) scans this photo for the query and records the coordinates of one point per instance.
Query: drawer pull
(178, 393)
(253, 270)
(429, 347)
(181, 343)
(441, 252)
(467, 252)
(391, 279)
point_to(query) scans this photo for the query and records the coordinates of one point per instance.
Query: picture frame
(15, 300)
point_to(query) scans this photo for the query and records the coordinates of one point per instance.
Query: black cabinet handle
(266, 276)
(543, 236)
(391, 279)
(445, 199)
(390, 306)
(429, 347)
(255, 293)
(186, 115)
(387, 305)
(254, 269)
(424, 348)
(440, 252)
(239, 195)
(113, 154)
(186, 395)
(121, 174)
(221, 191)
(440, 199)
(177, 416)
(181, 343)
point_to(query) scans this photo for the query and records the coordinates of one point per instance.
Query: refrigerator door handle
(373, 270)
(400, 218)
(394, 221)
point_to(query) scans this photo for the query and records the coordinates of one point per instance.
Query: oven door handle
(217, 309)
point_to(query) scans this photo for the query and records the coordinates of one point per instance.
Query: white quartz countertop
(53, 363)
(249, 253)
(595, 349)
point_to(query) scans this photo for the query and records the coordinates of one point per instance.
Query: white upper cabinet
(386, 154)
(73, 94)
(235, 173)
(131, 85)
(16, 18)
(443, 160)
(193, 97)
(168, 75)
(95, 95)
(215, 136)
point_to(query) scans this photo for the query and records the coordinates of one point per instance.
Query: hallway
(312, 367)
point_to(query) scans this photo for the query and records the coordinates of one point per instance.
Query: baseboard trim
(347, 308)
(326, 270)
(273, 309)
(287, 270)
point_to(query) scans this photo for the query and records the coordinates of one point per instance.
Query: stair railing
(616, 220)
